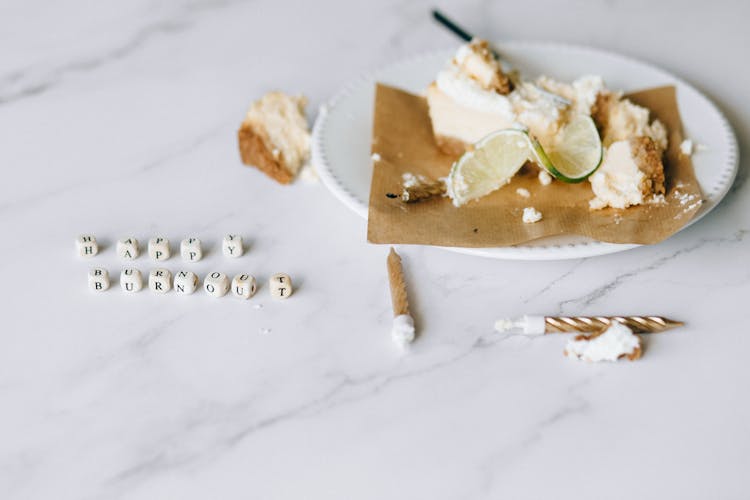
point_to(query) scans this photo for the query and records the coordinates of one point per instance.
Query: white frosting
(617, 182)
(403, 330)
(531, 215)
(526, 325)
(524, 193)
(468, 92)
(618, 340)
(627, 120)
(686, 147)
(544, 178)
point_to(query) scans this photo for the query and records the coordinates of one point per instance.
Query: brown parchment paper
(402, 136)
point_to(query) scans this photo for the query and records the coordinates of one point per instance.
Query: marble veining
(121, 120)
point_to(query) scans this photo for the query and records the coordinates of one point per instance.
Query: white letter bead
(127, 248)
(131, 280)
(231, 245)
(86, 245)
(216, 284)
(160, 280)
(190, 249)
(98, 279)
(158, 248)
(185, 282)
(243, 286)
(280, 285)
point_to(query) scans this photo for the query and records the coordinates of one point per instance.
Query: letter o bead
(98, 279)
(243, 286)
(280, 285)
(131, 280)
(216, 284)
(160, 280)
(185, 282)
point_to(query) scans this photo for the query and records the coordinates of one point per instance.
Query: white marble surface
(120, 118)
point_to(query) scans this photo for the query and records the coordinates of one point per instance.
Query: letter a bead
(127, 248)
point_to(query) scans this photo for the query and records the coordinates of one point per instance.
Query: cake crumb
(544, 178)
(376, 157)
(531, 215)
(524, 193)
(687, 147)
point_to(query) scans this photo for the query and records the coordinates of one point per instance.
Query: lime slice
(577, 153)
(493, 162)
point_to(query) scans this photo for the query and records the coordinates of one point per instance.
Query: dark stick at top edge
(462, 33)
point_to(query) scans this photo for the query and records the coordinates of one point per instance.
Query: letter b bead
(280, 285)
(216, 284)
(98, 279)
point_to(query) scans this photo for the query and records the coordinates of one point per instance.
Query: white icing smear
(403, 331)
(618, 340)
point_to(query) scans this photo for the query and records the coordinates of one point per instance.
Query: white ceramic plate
(342, 132)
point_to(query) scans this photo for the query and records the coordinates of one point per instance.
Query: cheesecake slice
(472, 97)
(274, 136)
(630, 174)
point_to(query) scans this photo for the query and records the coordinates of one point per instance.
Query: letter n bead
(185, 282)
(98, 279)
(216, 284)
(280, 285)
(243, 286)
(160, 280)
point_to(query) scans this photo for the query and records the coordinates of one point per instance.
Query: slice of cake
(467, 100)
(275, 137)
(631, 172)
(472, 97)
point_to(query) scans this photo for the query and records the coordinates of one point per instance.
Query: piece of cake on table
(275, 137)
